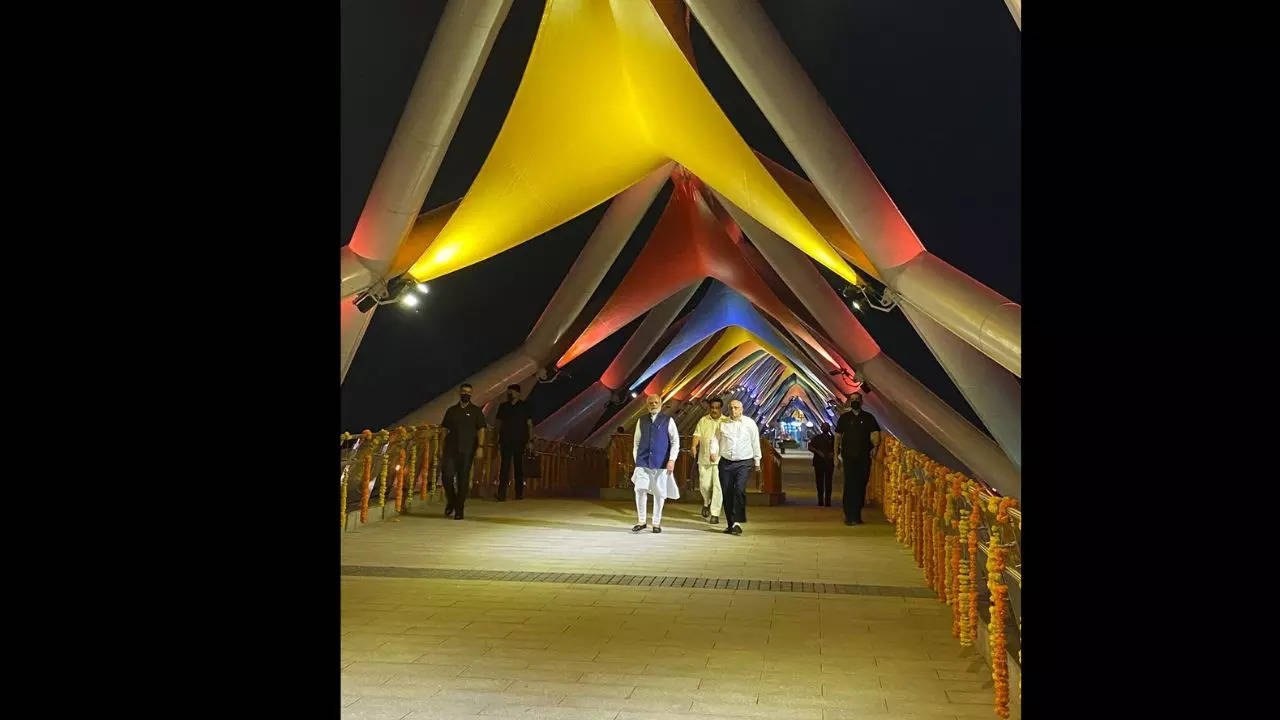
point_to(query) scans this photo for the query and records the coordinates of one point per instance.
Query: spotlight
(855, 304)
(808, 424)
(634, 393)
(422, 288)
(409, 300)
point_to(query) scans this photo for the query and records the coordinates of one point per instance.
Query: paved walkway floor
(431, 647)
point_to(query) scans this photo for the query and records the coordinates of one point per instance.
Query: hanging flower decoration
(398, 486)
(365, 487)
(346, 471)
(383, 436)
(413, 468)
(996, 627)
(962, 607)
(976, 518)
(940, 538)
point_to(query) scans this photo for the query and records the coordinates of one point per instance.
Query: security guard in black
(463, 423)
(858, 433)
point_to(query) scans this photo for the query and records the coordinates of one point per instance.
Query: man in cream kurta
(708, 471)
(654, 450)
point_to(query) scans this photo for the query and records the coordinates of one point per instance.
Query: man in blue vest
(654, 449)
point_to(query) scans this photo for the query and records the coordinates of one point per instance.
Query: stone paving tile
(563, 689)
(550, 713)
(443, 647)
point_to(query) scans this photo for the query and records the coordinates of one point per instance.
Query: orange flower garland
(962, 607)
(345, 472)
(940, 539)
(996, 627)
(399, 486)
(1002, 510)
(937, 513)
(382, 473)
(976, 512)
(956, 562)
(365, 489)
(413, 468)
(930, 534)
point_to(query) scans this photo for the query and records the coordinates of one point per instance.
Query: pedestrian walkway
(837, 623)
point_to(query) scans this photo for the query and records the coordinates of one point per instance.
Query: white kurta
(657, 481)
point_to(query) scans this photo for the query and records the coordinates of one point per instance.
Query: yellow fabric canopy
(606, 98)
(730, 338)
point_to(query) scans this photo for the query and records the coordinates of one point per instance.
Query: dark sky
(929, 91)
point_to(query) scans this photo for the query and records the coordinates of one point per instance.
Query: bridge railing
(402, 467)
(398, 466)
(967, 541)
(564, 469)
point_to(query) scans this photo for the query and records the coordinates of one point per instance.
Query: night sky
(930, 92)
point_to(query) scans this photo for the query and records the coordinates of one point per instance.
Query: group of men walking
(726, 448)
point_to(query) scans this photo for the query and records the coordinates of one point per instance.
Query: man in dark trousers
(515, 437)
(462, 424)
(823, 448)
(857, 434)
(736, 447)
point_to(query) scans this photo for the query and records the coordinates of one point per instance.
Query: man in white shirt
(736, 446)
(654, 450)
(708, 471)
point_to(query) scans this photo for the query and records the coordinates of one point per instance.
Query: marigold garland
(962, 607)
(1002, 510)
(937, 513)
(399, 486)
(996, 627)
(930, 530)
(413, 468)
(345, 471)
(382, 439)
(953, 574)
(944, 523)
(365, 488)
(973, 558)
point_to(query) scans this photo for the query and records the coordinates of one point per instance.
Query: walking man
(462, 425)
(709, 471)
(515, 437)
(654, 449)
(823, 448)
(736, 447)
(857, 434)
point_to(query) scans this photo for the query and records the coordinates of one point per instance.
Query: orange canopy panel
(606, 98)
(687, 244)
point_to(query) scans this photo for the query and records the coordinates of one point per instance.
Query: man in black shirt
(823, 448)
(857, 434)
(462, 424)
(515, 436)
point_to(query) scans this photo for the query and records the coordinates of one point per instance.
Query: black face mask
(855, 406)
(511, 396)
(466, 398)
